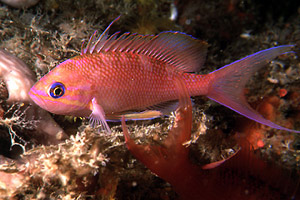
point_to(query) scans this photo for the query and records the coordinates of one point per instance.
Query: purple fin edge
(229, 82)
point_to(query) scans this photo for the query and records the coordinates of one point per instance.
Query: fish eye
(57, 90)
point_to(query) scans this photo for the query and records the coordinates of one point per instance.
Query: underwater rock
(18, 79)
(20, 3)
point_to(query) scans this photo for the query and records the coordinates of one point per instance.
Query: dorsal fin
(186, 53)
(102, 38)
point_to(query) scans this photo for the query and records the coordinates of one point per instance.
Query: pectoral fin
(97, 117)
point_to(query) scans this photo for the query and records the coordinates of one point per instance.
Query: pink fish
(133, 75)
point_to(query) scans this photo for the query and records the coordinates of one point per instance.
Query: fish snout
(36, 98)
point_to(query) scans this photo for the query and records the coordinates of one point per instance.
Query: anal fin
(150, 112)
(145, 115)
(165, 107)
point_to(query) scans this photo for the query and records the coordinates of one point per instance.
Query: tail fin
(229, 82)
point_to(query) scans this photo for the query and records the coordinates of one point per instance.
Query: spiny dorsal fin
(102, 38)
(186, 53)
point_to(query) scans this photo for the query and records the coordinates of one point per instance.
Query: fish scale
(138, 88)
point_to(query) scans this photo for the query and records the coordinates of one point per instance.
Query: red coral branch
(242, 176)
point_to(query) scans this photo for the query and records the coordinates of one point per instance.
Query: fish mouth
(36, 99)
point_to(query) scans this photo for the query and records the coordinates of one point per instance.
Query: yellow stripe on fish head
(61, 91)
